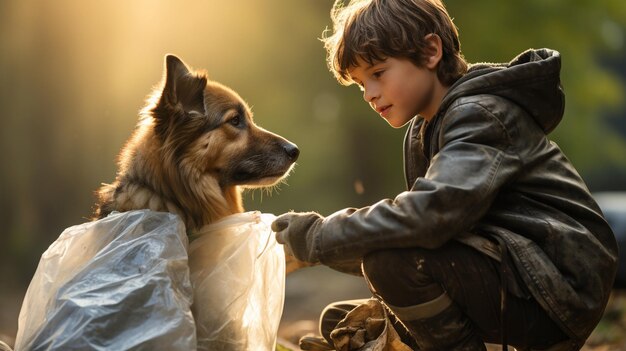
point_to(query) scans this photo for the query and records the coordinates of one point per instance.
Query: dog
(194, 150)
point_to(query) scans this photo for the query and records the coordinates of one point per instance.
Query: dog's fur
(194, 149)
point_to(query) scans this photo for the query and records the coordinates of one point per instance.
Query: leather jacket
(485, 166)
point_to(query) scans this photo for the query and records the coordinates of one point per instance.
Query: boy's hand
(299, 232)
(292, 264)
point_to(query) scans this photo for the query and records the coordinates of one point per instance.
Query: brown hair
(373, 30)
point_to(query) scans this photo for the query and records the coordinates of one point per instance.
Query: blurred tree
(584, 32)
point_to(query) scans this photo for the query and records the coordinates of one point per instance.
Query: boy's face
(398, 89)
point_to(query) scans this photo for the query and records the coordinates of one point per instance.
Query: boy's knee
(377, 266)
(388, 266)
(400, 277)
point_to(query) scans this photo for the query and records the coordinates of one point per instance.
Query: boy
(497, 237)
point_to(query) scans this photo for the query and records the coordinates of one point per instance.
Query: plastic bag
(238, 275)
(119, 283)
(127, 282)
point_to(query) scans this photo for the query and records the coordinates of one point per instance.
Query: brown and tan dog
(194, 149)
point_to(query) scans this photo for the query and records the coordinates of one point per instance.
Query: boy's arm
(475, 160)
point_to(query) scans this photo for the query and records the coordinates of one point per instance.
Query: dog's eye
(235, 121)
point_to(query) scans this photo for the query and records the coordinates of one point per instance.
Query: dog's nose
(292, 151)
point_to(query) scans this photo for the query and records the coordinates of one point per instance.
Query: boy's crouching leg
(401, 279)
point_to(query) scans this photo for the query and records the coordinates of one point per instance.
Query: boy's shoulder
(481, 118)
(487, 103)
(484, 108)
(529, 84)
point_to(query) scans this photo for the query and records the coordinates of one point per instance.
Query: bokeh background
(74, 74)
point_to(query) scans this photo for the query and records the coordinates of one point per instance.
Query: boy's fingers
(293, 264)
(280, 224)
(280, 237)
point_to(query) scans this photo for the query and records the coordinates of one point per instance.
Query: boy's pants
(449, 299)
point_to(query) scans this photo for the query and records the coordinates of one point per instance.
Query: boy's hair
(374, 30)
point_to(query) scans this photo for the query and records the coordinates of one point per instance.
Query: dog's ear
(183, 88)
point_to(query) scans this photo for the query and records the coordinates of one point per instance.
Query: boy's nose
(369, 95)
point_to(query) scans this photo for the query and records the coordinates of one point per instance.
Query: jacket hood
(531, 80)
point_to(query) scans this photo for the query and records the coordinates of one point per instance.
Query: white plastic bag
(238, 276)
(119, 283)
(123, 283)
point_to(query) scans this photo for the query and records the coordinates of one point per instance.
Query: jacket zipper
(428, 134)
(409, 159)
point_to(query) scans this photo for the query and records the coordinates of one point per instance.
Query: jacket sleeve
(474, 161)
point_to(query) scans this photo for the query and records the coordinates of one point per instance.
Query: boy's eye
(378, 74)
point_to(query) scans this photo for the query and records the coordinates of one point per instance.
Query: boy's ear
(183, 88)
(433, 51)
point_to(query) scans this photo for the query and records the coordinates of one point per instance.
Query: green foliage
(584, 32)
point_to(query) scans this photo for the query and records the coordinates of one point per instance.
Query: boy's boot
(439, 325)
